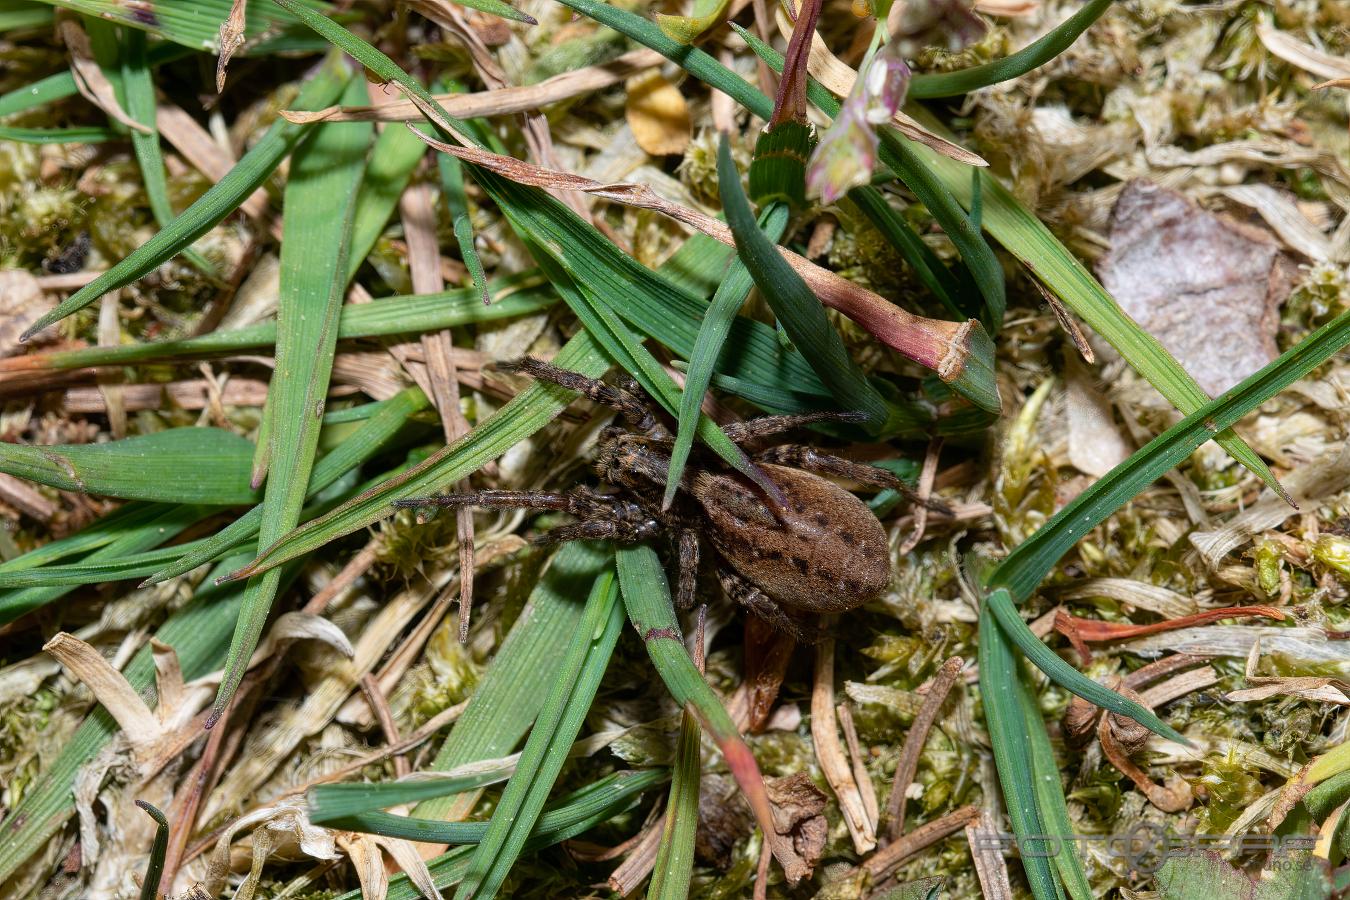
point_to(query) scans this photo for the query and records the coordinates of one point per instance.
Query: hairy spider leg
(602, 517)
(764, 426)
(765, 607)
(809, 459)
(631, 404)
(688, 583)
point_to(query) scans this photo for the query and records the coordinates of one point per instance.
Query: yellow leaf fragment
(658, 114)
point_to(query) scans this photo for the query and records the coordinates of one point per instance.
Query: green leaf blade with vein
(526, 413)
(219, 201)
(1008, 737)
(712, 335)
(999, 605)
(138, 93)
(550, 741)
(507, 701)
(179, 465)
(196, 23)
(793, 303)
(320, 200)
(929, 85)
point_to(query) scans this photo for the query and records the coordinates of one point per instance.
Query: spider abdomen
(825, 552)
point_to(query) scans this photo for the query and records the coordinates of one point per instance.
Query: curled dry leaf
(22, 302)
(799, 817)
(1305, 56)
(272, 827)
(1081, 632)
(92, 84)
(658, 115)
(231, 38)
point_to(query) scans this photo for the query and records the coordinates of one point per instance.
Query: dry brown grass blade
(418, 209)
(1305, 56)
(379, 706)
(109, 386)
(834, 763)
(990, 867)
(92, 84)
(912, 749)
(196, 145)
(880, 864)
(914, 336)
(499, 102)
(231, 38)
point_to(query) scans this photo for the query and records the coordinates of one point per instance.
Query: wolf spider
(816, 549)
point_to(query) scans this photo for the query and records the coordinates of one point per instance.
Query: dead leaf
(231, 38)
(22, 302)
(1096, 445)
(658, 114)
(1207, 288)
(799, 816)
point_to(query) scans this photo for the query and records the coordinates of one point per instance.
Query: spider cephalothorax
(814, 549)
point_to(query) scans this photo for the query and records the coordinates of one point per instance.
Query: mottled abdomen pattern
(825, 553)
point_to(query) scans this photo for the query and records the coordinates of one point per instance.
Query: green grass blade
(358, 447)
(325, 175)
(601, 798)
(1050, 803)
(179, 465)
(62, 84)
(930, 270)
(793, 303)
(393, 160)
(646, 596)
(196, 23)
(933, 194)
(1000, 605)
(76, 134)
(712, 335)
(602, 322)
(551, 737)
(24, 17)
(674, 868)
(1009, 738)
(219, 201)
(1032, 560)
(410, 314)
(507, 701)
(167, 523)
(900, 156)
(334, 802)
(154, 866)
(1037, 53)
(500, 9)
(98, 533)
(574, 814)
(138, 98)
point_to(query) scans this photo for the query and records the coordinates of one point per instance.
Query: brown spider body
(823, 552)
(817, 549)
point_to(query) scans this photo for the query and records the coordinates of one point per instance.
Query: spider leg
(621, 530)
(578, 503)
(760, 604)
(630, 404)
(752, 429)
(800, 456)
(684, 595)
